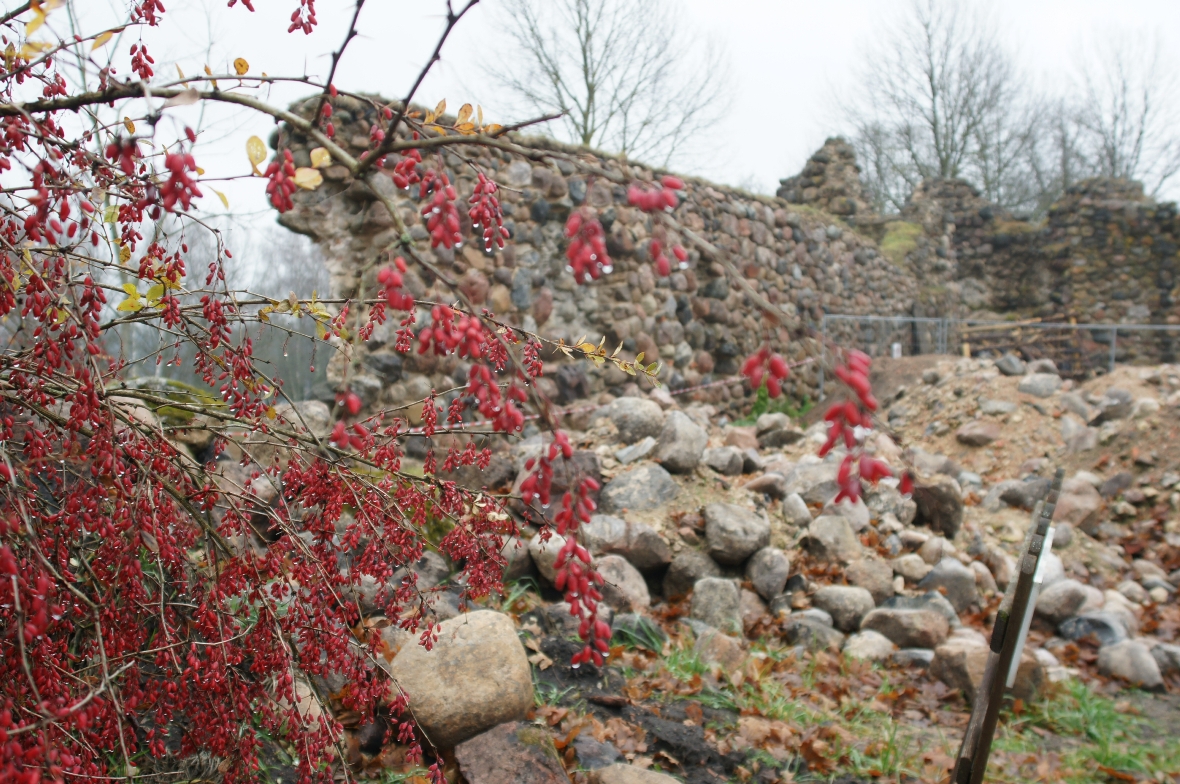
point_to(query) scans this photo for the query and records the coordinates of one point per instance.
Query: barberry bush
(167, 608)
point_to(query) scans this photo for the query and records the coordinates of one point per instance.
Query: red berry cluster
(657, 199)
(442, 217)
(405, 172)
(587, 255)
(180, 187)
(444, 335)
(281, 173)
(303, 17)
(663, 266)
(765, 364)
(391, 281)
(125, 152)
(141, 61)
(485, 211)
(355, 436)
(849, 422)
(493, 404)
(350, 401)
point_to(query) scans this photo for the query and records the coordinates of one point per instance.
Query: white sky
(788, 60)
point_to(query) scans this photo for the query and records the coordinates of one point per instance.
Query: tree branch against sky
(627, 75)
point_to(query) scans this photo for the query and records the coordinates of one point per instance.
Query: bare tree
(939, 98)
(1127, 113)
(626, 74)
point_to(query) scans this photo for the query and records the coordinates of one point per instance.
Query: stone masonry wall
(695, 321)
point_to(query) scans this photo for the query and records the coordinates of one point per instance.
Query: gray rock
(512, 753)
(870, 646)
(681, 443)
(931, 600)
(1040, 384)
(908, 628)
(771, 421)
(752, 461)
(624, 588)
(734, 533)
(913, 657)
(884, 499)
(996, 407)
(636, 418)
(978, 432)
(781, 437)
(1108, 628)
(830, 538)
(1077, 436)
(816, 483)
(628, 774)
(958, 581)
(641, 489)
(637, 542)
(1043, 365)
(940, 505)
(1072, 401)
(1131, 661)
(857, 514)
(1062, 600)
(518, 561)
(1010, 365)
(1024, 495)
(846, 604)
(725, 460)
(545, 553)
(1115, 404)
(911, 566)
(1062, 535)
(475, 677)
(801, 630)
(1167, 658)
(768, 570)
(935, 549)
(872, 574)
(637, 451)
(686, 568)
(593, 755)
(817, 615)
(771, 483)
(717, 602)
(795, 511)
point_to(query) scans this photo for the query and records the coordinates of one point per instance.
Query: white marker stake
(1038, 578)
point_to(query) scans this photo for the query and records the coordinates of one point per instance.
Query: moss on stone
(901, 238)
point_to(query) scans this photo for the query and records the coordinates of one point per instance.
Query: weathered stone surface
(935, 549)
(1167, 658)
(544, 553)
(979, 432)
(641, 489)
(1010, 365)
(768, 570)
(911, 566)
(869, 645)
(908, 628)
(635, 418)
(795, 511)
(1062, 600)
(717, 602)
(872, 574)
(686, 568)
(784, 436)
(830, 538)
(931, 600)
(1080, 505)
(1040, 384)
(1114, 404)
(734, 533)
(637, 451)
(512, 753)
(624, 588)
(815, 483)
(714, 647)
(771, 483)
(637, 542)
(846, 604)
(913, 657)
(960, 663)
(725, 460)
(475, 677)
(629, 774)
(681, 443)
(957, 580)
(1105, 627)
(518, 560)
(940, 505)
(802, 630)
(1131, 661)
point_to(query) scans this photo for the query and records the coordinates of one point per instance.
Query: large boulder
(636, 418)
(681, 443)
(830, 538)
(717, 602)
(637, 542)
(956, 580)
(940, 505)
(960, 663)
(734, 533)
(1131, 661)
(908, 628)
(512, 753)
(846, 604)
(686, 568)
(641, 489)
(624, 588)
(475, 677)
(768, 570)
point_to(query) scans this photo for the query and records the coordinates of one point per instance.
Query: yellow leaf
(441, 131)
(467, 129)
(479, 116)
(101, 39)
(308, 179)
(183, 98)
(35, 23)
(430, 117)
(200, 172)
(493, 129)
(30, 49)
(256, 151)
(639, 358)
(155, 293)
(271, 413)
(210, 73)
(124, 254)
(442, 107)
(130, 126)
(180, 73)
(464, 114)
(320, 157)
(133, 303)
(241, 67)
(220, 195)
(321, 331)
(110, 214)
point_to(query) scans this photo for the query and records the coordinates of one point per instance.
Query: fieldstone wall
(694, 321)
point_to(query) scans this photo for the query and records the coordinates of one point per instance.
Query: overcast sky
(789, 59)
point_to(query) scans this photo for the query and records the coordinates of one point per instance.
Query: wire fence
(1079, 350)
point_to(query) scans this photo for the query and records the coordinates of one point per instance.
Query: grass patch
(901, 238)
(780, 405)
